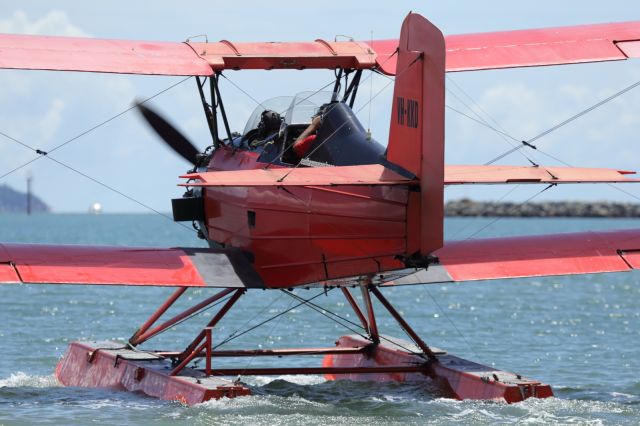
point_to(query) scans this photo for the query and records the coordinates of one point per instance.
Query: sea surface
(579, 334)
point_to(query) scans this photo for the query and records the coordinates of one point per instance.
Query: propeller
(169, 134)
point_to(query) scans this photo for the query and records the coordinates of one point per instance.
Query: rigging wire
(444, 314)
(474, 112)
(236, 335)
(324, 312)
(47, 155)
(102, 123)
(529, 142)
(269, 333)
(319, 308)
(140, 203)
(206, 308)
(255, 316)
(517, 205)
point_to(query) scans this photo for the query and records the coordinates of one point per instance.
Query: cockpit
(338, 137)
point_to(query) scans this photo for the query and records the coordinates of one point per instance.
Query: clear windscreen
(280, 104)
(305, 105)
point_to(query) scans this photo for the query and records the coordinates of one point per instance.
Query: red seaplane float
(305, 198)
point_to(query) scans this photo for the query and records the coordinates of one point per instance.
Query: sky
(43, 109)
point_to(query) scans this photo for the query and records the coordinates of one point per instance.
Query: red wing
(103, 265)
(97, 55)
(174, 58)
(535, 256)
(467, 52)
(373, 174)
(376, 174)
(528, 48)
(460, 175)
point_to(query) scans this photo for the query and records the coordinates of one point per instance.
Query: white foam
(20, 379)
(303, 380)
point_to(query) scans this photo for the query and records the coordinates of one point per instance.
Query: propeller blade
(172, 137)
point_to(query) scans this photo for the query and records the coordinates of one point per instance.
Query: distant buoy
(96, 208)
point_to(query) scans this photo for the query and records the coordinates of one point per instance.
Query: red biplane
(306, 198)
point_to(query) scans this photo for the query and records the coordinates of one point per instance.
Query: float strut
(150, 333)
(373, 327)
(196, 347)
(157, 314)
(356, 308)
(414, 336)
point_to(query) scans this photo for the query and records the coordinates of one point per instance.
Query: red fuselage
(307, 234)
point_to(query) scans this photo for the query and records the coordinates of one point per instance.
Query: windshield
(279, 104)
(305, 105)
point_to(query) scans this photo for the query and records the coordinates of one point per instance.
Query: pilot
(305, 140)
(267, 128)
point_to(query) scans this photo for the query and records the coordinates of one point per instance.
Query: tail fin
(416, 136)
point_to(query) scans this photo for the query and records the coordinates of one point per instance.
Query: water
(579, 334)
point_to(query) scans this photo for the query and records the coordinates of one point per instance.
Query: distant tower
(29, 179)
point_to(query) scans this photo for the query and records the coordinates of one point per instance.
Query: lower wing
(104, 265)
(533, 256)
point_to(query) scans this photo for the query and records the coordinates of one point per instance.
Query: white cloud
(53, 23)
(50, 123)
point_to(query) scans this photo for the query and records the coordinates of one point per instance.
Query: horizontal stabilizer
(372, 174)
(104, 265)
(461, 175)
(532, 256)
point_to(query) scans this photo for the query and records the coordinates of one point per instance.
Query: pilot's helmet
(269, 122)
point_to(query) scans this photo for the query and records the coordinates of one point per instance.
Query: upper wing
(103, 265)
(466, 52)
(174, 58)
(99, 55)
(534, 256)
(528, 48)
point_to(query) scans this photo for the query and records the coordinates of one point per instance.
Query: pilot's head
(269, 122)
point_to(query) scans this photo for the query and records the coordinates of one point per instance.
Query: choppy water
(579, 334)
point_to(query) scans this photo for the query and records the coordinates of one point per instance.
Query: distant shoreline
(467, 208)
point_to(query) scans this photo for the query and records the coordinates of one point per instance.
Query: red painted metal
(630, 48)
(8, 275)
(407, 328)
(271, 352)
(466, 52)
(416, 134)
(146, 335)
(451, 376)
(157, 314)
(356, 308)
(108, 369)
(533, 256)
(308, 234)
(286, 55)
(97, 55)
(371, 317)
(193, 349)
(526, 48)
(71, 264)
(372, 174)
(376, 174)
(208, 344)
(386, 369)
(459, 175)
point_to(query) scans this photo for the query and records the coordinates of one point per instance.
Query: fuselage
(311, 234)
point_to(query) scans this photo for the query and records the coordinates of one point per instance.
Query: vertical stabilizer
(416, 135)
